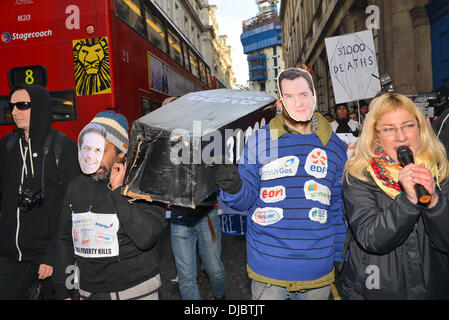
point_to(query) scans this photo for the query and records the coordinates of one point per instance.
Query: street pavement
(234, 259)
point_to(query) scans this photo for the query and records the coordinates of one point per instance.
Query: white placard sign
(353, 66)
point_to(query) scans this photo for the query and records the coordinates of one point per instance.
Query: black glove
(227, 177)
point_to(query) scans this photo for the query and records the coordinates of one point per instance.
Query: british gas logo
(274, 194)
(317, 192)
(279, 168)
(289, 163)
(6, 37)
(316, 163)
(267, 216)
(318, 215)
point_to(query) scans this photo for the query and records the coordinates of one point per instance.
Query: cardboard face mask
(91, 145)
(312, 102)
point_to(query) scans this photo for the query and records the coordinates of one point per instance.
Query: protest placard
(353, 66)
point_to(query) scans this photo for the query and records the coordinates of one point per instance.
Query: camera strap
(46, 149)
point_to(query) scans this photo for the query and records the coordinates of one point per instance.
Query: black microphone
(405, 157)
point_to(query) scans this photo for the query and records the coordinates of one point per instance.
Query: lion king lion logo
(91, 60)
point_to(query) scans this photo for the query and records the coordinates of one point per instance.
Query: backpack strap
(46, 149)
(345, 250)
(57, 147)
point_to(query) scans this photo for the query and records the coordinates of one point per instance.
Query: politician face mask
(298, 95)
(91, 145)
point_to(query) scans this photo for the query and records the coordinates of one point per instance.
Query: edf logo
(316, 163)
(6, 37)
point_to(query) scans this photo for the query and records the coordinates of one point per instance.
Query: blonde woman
(399, 248)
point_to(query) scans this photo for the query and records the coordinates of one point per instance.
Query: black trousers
(17, 280)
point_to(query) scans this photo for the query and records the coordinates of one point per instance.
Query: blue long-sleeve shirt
(295, 228)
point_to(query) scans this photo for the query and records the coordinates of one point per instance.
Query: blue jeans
(265, 291)
(183, 240)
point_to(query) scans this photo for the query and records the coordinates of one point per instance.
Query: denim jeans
(265, 291)
(184, 239)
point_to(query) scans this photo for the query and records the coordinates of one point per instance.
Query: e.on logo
(274, 194)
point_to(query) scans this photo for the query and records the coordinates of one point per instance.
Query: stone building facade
(196, 20)
(402, 39)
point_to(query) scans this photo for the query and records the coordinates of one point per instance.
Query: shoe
(219, 298)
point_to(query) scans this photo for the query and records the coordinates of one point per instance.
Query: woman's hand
(45, 271)
(417, 174)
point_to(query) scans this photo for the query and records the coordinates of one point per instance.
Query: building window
(275, 62)
(274, 51)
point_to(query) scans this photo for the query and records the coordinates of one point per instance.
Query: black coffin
(173, 149)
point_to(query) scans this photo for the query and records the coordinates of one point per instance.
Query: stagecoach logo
(6, 37)
(20, 2)
(91, 60)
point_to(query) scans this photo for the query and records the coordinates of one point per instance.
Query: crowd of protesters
(322, 223)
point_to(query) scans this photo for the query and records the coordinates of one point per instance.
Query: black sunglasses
(21, 105)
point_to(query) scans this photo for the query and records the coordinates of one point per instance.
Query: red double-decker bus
(216, 84)
(94, 55)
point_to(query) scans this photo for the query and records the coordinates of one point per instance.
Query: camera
(387, 83)
(426, 102)
(431, 104)
(29, 199)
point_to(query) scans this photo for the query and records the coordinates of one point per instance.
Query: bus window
(209, 77)
(193, 64)
(175, 47)
(156, 105)
(146, 106)
(203, 72)
(130, 12)
(63, 105)
(156, 30)
(5, 114)
(186, 56)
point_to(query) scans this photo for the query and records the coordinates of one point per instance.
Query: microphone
(405, 157)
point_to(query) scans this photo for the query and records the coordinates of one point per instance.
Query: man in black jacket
(31, 189)
(441, 124)
(112, 239)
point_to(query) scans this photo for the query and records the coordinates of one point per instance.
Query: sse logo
(318, 215)
(6, 37)
(270, 195)
(316, 163)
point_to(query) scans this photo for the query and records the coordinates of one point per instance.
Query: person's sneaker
(174, 281)
(219, 298)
